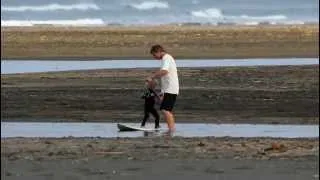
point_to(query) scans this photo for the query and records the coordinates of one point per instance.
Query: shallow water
(19, 129)
(28, 66)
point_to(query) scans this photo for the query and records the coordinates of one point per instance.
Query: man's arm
(159, 74)
(163, 71)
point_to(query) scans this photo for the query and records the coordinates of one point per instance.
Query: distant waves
(149, 5)
(52, 7)
(76, 22)
(155, 12)
(100, 22)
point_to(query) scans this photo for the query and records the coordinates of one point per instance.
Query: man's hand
(149, 79)
(159, 98)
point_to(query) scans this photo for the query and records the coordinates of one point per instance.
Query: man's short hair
(156, 48)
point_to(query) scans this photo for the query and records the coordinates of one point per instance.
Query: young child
(150, 97)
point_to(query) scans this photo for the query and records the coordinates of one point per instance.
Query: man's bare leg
(170, 119)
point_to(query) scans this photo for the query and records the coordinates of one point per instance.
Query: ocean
(156, 12)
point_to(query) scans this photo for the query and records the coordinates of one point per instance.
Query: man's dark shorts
(168, 102)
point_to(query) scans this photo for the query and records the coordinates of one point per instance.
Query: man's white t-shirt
(169, 82)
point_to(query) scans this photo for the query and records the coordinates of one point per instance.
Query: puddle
(28, 66)
(18, 129)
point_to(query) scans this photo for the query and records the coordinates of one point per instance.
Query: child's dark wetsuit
(149, 96)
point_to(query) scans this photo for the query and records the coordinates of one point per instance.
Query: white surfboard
(127, 127)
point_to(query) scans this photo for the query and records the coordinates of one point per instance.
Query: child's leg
(146, 116)
(156, 116)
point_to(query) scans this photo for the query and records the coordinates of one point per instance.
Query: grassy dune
(182, 41)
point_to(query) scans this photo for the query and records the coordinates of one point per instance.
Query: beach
(255, 95)
(235, 95)
(185, 42)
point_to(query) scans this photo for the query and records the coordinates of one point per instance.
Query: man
(169, 83)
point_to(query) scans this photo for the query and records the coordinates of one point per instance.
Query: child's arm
(143, 95)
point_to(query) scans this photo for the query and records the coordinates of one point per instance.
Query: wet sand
(193, 42)
(163, 169)
(278, 95)
(162, 157)
(155, 148)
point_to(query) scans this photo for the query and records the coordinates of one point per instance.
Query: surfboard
(127, 127)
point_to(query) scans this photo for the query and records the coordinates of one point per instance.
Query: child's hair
(156, 48)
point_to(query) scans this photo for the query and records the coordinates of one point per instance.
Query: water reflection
(22, 66)
(20, 129)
